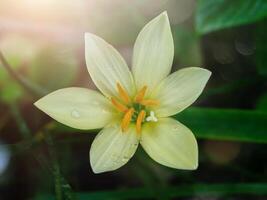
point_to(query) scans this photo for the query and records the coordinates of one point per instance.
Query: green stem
(27, 85)
(61, 185)
(56, 169)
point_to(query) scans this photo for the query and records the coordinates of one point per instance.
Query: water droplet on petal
(125, 158)
(75, 114)
(95, 103)
(104, 111)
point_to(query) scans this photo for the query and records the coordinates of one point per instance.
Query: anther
(140, 118)
(127, 119)
(140, 95)
(123, 94)
(149, 102)
(120, 107)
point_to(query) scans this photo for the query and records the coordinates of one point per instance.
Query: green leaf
(262, 103)
(261, 48)
(214, 15)
(226, 124)
(225, 189)
(187, 47)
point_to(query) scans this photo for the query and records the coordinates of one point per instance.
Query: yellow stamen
(120, 107)
(123, 94)
(140, 95)
(149, 102)
(139, 120)
(127, 119)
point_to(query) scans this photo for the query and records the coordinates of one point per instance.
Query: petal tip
(200, 69)
(207, 73)
(38, 104)
(194, 165)
(164, 16)
(93, 167)
(96, 171)
(88, 36)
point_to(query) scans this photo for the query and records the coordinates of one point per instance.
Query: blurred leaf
(54, 67)
(262, 103)
(187, 47)
(10, 92)
(194, 190)
(226, 124)
(19, 49)
(233, 86)
(261, 48)
(214, 15)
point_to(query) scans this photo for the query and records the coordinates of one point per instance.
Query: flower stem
(33, 89)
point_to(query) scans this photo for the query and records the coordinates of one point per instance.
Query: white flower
(135, 107)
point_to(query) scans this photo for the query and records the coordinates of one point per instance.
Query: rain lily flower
(133, 107)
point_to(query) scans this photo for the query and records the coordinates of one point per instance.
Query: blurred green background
(42, 49)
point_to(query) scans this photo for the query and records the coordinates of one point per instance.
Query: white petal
(153, 52)
(170, 143)
(77, 107)
(180, 90)
(113, 148)
(106, 66)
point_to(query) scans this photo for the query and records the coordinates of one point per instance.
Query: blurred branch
(23, 128)
(28, 86)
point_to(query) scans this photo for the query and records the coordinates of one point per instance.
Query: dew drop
(114, 157)
(75, 114)
(104, 111)
(125, 158)
(95, 103)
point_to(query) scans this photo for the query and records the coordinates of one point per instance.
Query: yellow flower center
(134, 110)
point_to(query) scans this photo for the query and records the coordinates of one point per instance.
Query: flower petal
(180, 90)
(153, 52)
(170, 143)
(106, 66)
(113, 148)
(77, 107)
